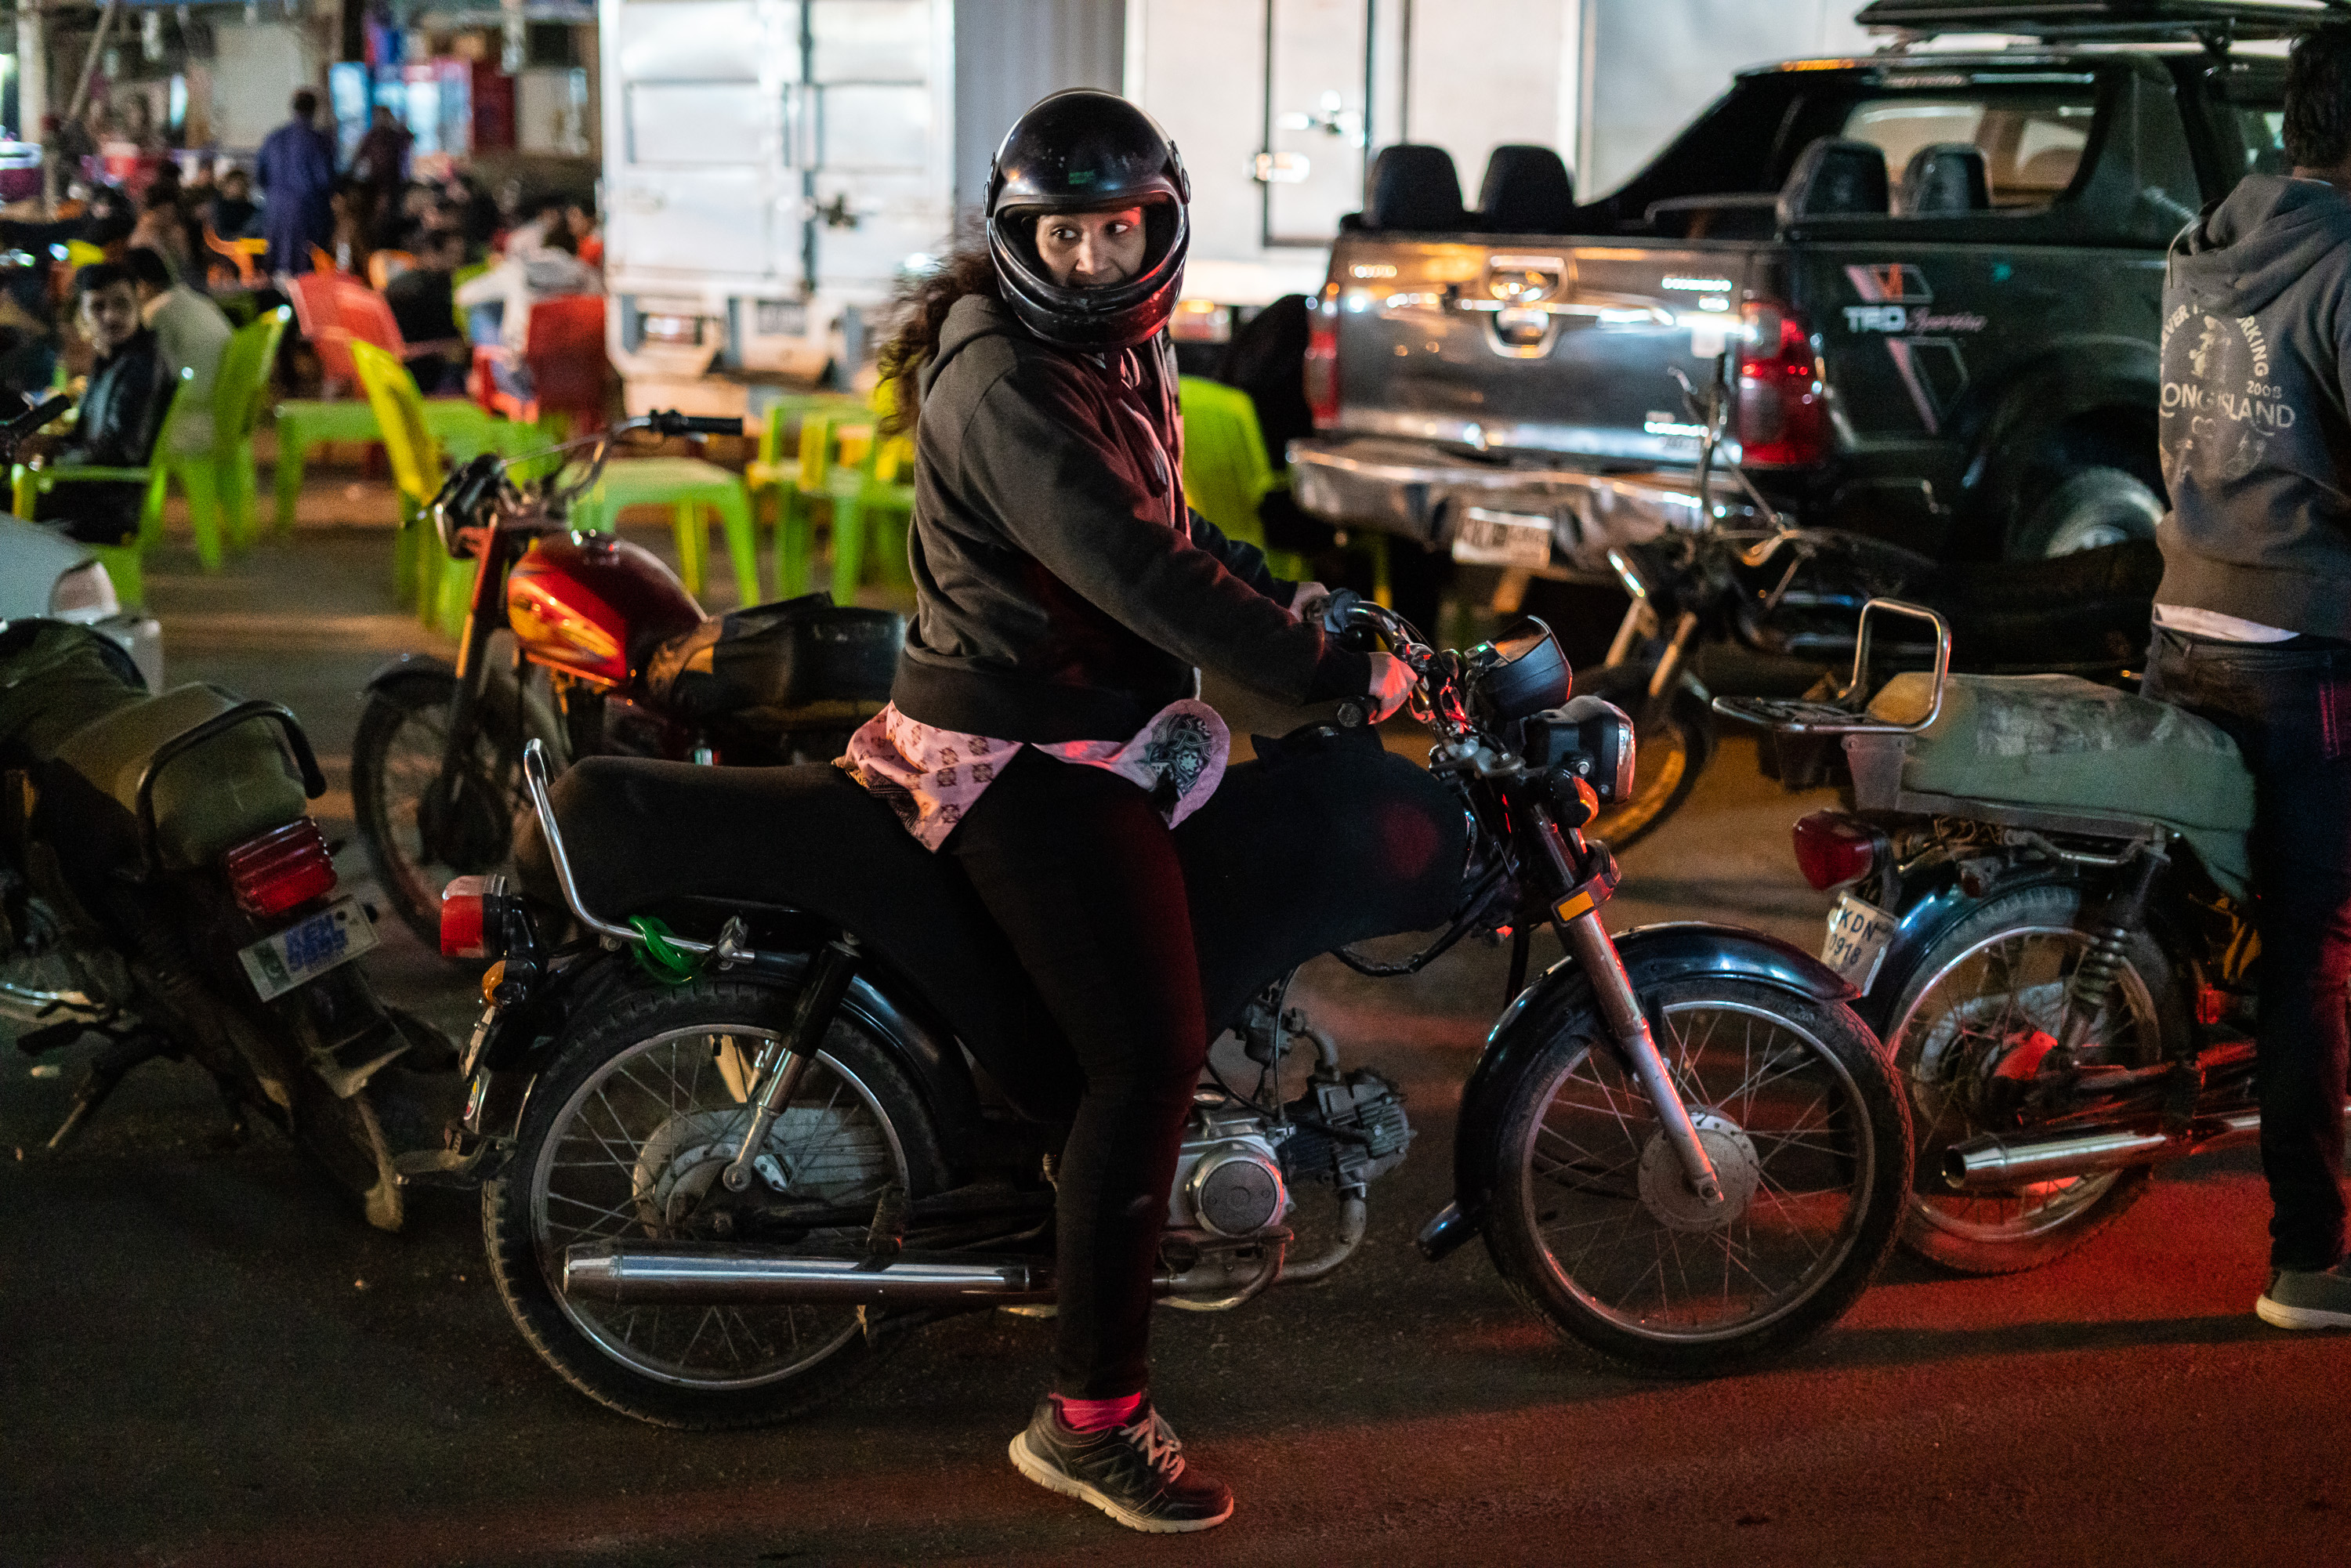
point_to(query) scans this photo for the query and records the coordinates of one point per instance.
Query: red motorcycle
(604, 652)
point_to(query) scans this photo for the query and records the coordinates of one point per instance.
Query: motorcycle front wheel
(623, 1138)
(396, 766)
(1674, 737)
(1593, 1227)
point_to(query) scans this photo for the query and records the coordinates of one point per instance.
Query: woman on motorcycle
(1044, 728)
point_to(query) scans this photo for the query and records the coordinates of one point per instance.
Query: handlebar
(13, 430)
(483, 482)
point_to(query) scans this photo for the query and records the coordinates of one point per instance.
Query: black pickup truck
(1929, 279)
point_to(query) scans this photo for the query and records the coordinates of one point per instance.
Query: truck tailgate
(1531, 344)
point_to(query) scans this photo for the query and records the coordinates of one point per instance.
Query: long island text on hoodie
(2256, 440)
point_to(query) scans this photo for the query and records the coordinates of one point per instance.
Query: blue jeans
(2288, 706)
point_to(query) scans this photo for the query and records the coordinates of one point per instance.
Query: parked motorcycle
(1789, 600)
(610, 657)
(2044, 895)
(734, 1141)
(162, 887)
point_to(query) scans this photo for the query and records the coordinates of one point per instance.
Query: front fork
(1577, 917)
(439, 809)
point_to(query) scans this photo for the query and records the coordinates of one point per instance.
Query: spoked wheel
(396, 782)
(1594, 1227)
(1993, 986)
(1675, 738)
(624, 1139)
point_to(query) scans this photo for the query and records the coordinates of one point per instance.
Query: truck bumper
(1422, 493)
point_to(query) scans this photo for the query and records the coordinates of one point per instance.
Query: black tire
(396, 756)
(639, 1369)
(1927, 1034)
(1675, 737)
(1560, 1174)
(2086, 509)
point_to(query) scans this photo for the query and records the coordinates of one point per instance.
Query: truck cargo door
(871, 142)
(1315, 101)
(701, 124)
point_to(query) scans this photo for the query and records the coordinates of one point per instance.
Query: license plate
(1487, 538)
(335, 935)
(1859, 936)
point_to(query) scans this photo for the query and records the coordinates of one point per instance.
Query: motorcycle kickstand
(107, 1070)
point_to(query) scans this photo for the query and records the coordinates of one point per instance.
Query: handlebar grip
(669, 422)
(32, 419)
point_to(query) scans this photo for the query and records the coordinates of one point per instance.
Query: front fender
(1653, 956)
(413, 667)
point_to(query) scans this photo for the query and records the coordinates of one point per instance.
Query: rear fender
(1653, 956)
(526, 1037)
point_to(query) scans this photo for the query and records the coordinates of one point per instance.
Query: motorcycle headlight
(85, 593)
(1588, 739)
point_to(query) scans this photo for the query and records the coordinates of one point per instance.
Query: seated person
(121, 410)
(190, 334)
(233, 207)
(423, 305)
(540, 264)
(579, 217)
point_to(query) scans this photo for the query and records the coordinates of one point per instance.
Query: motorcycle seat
(2064, 744)
(788, 666)
(1323, 842)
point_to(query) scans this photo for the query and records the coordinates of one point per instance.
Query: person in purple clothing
(297, 171)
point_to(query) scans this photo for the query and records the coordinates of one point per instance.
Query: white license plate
(307, 949)
(1487, 538)
(1859, 936)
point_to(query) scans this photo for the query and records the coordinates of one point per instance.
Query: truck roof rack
(2210, 21)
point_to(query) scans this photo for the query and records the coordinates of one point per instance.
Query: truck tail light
(471, 918)
(282, 868)
(1781, 422)
(1322, 360)
(1834, 850)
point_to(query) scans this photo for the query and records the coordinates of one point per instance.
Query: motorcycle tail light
(1323, 361)
(1781, 422)
(1834, 850)
(282, 868)
(471, 926)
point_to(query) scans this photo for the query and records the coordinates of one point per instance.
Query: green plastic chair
(1227, 478)
(239, 395)
(689, 488)
(196, 474)
(881, 506)
(305, 422)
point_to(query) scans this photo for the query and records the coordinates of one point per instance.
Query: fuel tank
(594, 606)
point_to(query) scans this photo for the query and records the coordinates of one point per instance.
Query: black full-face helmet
(1083, 151)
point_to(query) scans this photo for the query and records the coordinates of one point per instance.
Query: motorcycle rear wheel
(2001, 966)
(630, 1115)
(1674, 740)
(1593, 1227)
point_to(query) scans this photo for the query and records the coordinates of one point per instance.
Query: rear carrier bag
(801, 663)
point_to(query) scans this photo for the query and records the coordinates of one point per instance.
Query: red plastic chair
(367, 316)
(564, 352)
(318, 310)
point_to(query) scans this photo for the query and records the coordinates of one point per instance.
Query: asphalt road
(206, 1359)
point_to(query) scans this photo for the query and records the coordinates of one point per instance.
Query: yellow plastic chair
(421, 567)
(198, 478)
(1227, 478)
(772, 477)
(879, 506)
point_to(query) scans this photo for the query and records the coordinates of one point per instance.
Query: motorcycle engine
(1228, 1178)
(1350, 1130)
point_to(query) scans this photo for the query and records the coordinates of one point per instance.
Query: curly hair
(921, 307)
(2317, 130)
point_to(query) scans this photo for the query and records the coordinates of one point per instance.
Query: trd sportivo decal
(1895, 299)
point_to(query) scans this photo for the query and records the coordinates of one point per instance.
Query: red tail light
(466, 925)
(1781, 422)
(1322, 360)
(282, 868)
(1833, 849)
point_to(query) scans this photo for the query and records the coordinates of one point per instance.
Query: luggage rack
(1847, 712)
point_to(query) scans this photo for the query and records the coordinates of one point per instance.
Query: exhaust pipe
(1988, 1164)
(657, 1277)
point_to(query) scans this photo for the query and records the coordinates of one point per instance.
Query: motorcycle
(2044, 896)
(611, 657)
(787, 1094)
(1774, 608)
(162, 886)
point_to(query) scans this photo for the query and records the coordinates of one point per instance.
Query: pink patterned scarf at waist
(931, 776)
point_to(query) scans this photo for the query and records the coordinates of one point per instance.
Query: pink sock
(1098, 1415)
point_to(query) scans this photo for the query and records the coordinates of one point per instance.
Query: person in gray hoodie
(2253, 620)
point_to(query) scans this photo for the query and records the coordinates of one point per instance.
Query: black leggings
(1077, 868)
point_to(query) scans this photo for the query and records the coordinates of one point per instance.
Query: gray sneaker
(2311, 1299)
(1134, 1473)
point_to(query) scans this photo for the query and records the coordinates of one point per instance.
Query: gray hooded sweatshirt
(2256, 441)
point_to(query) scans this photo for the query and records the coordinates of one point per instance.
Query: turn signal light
(282, 868)
(1781, 422)
(1834, 850)
(467, 930)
